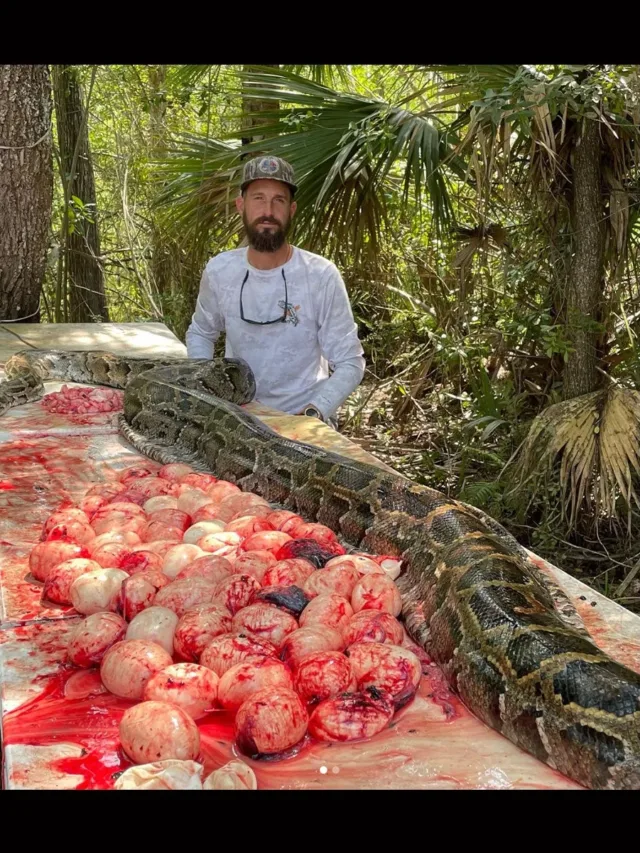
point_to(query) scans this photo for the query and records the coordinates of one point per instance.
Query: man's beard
(266, 241)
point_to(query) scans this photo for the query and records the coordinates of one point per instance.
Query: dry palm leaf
(596, 440)
(479, 237)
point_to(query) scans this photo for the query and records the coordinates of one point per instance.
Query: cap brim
(245, 184)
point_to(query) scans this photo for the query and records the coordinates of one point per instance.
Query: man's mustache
(267, 220)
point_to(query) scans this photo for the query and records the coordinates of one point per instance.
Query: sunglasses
(282, 319)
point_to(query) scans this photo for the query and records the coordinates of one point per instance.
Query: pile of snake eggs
(202, 599)
(83, 400)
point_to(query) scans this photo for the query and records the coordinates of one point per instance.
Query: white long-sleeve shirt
(290, 360)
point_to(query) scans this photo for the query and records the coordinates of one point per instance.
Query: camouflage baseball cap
(268, 168)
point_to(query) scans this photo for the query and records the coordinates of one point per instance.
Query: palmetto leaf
(369, 136)
(191, 75)
(472, 81)
(596, 439)
(197, 181)
(347, 151)
(327, 74)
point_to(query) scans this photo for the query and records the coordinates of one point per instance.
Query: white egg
(157, 624)
(202, 528)
(96, 591)
(160, 502)
(178, 557)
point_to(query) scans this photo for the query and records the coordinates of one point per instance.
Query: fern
(481, 494)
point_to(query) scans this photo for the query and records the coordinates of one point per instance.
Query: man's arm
(338, 337)
(207, 322)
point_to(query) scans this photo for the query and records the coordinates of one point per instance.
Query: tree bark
(26, 188)
(160, 263)
(83, 269)
(585, 284)
(253, 116)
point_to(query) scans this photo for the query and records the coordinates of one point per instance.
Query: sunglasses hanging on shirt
(282, 319)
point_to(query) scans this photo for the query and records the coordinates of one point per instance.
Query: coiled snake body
(470, 597)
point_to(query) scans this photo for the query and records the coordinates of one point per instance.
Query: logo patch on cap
(268, 165)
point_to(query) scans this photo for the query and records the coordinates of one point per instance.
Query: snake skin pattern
(471, 598)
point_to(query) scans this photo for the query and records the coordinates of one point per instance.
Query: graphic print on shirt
(292, 316)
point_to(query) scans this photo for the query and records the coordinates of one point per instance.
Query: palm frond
(344, 145)
(190, 75)
(595, 438)
(347, 151)
(330, 75)
(472, 82)
(198, 183)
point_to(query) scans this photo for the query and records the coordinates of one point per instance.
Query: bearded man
(284, 310)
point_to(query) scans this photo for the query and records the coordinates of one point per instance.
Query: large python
(470, 596)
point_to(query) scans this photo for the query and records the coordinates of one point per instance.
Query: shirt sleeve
(207, 322)
(338, 338)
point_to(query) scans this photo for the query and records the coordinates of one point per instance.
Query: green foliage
(79, 213)
(485, 495)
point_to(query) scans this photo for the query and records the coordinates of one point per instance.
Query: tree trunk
(585, 285)
(253, 116)
(160, 264)
(26, 188)
(83, 269)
